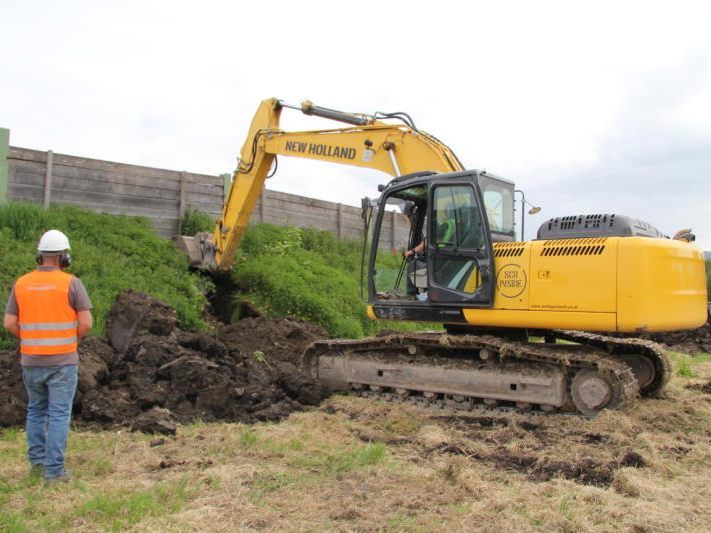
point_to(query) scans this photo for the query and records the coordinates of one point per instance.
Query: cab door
(459, 249)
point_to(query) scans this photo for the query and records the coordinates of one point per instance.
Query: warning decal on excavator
(511, 280)
(321, 149)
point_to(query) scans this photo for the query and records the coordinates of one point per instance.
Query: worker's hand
(409, 253)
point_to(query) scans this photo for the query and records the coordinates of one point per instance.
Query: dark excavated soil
(150, 375)
(701, 387)
(691, 341)
(281, 338)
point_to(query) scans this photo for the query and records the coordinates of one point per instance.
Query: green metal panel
(4, 163)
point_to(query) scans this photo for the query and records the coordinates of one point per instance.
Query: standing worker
(49, 310)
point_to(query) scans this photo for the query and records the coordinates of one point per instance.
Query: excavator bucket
(200, 250)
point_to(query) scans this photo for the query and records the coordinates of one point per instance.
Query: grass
(119, 509)
(195, 221)
(110, 253)
(248, 437)
(684, 368)
(688, 366)
(339, 461)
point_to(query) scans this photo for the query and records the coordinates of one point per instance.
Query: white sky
(589, 106)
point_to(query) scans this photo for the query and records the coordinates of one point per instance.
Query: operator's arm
(420, 248)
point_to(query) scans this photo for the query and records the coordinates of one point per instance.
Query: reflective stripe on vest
(49, 325)
(47, 321)
(59, 341)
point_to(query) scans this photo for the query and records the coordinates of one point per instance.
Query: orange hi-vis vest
(48, 323)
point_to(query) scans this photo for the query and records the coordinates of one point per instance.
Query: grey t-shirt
(78, 300)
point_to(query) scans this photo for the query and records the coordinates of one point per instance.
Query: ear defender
(38, 258)
(65, 260)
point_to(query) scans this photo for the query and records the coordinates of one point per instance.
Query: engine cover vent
(605, 225)
(508, 249)
(573, 247)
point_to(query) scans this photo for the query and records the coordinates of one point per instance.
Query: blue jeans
(49, 410)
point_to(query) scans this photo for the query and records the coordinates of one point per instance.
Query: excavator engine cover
(607, 225)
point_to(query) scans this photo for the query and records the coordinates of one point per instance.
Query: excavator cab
(447, 217)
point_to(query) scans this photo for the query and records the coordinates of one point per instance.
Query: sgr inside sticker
(511, 280)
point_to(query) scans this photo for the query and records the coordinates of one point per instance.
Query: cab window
(456, 218)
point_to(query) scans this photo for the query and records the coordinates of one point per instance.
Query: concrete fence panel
(163, 196)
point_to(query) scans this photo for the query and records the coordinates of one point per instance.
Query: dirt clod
(156, 420)
(135, 313)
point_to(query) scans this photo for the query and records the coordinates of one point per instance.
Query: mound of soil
(282, 339)
(150, 375)
(691, 341)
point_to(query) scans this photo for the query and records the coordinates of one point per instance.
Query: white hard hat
(53, 241)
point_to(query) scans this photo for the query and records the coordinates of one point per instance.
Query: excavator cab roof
(414, 176)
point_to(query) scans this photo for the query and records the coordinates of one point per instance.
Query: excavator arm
(395, 149)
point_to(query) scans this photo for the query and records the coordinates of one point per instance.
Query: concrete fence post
(48, 180)
(183, 193)
(4, 163)
(182, 206)
(339, 221)
(263, 206)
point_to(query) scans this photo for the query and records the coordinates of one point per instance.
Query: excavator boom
(394, 149)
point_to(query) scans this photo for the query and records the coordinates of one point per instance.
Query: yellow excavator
(582, 279)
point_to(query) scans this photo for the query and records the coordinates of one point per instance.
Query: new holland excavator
(584, 278)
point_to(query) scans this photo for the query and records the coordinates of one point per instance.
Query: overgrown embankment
(308, 274)
(110, 253)
(282, 271)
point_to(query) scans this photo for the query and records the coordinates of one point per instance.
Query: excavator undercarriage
(582, 373)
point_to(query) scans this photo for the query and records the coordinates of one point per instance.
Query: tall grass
(110, 254)
(195, 221)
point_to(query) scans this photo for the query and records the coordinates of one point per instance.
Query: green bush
(195, 221)
(111, 254)
(308, 274)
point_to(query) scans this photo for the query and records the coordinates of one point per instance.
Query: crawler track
(472, 371)
(622, 348)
